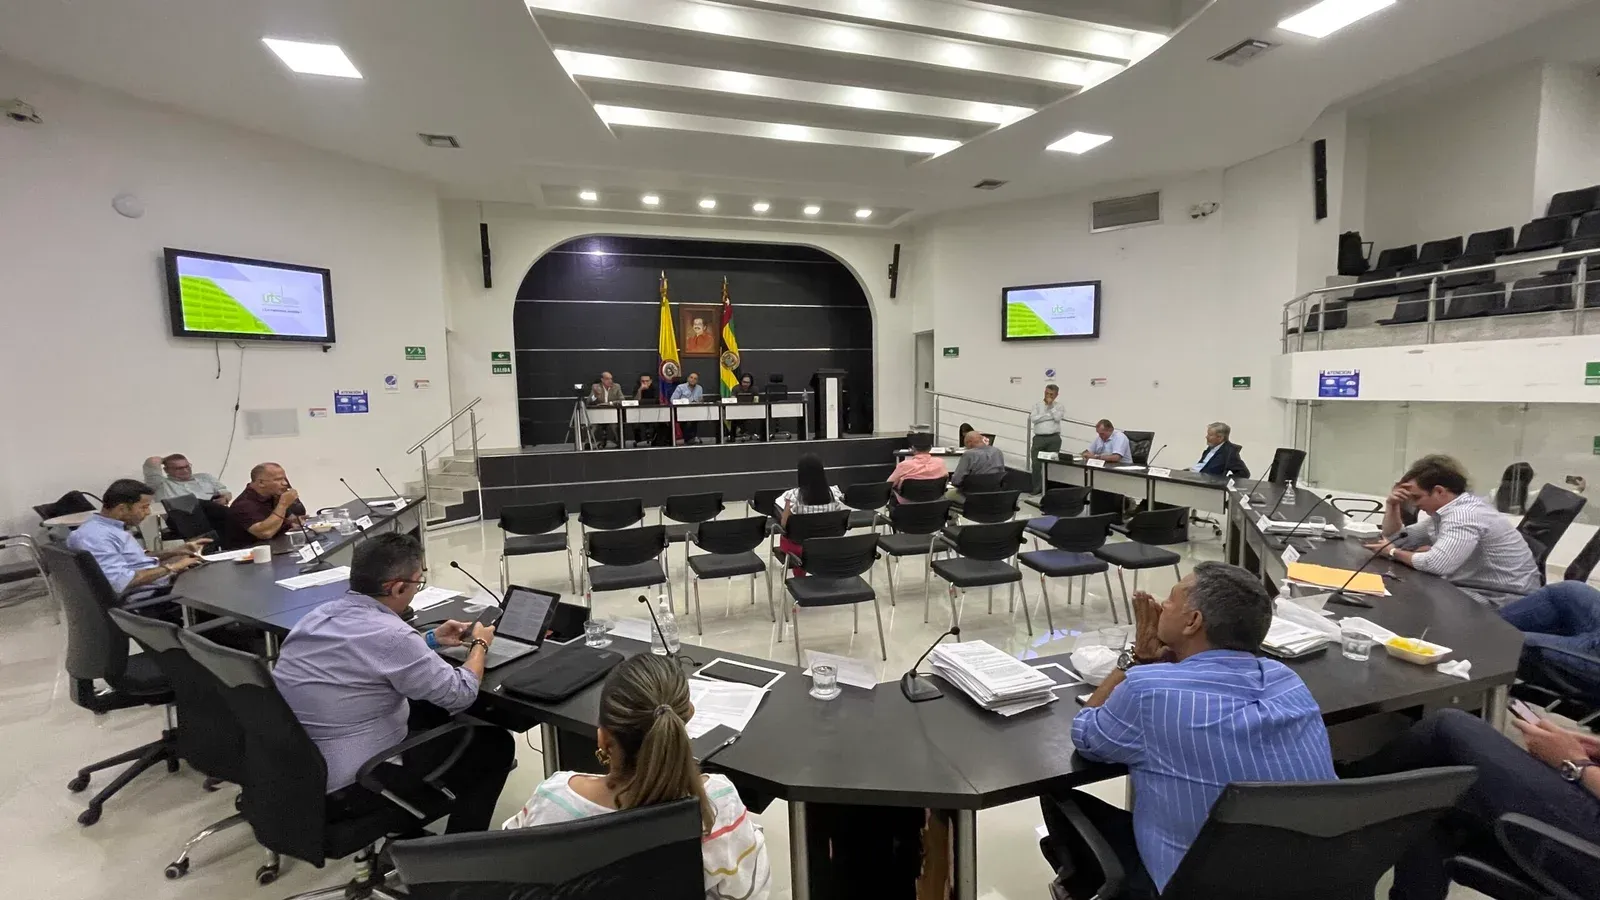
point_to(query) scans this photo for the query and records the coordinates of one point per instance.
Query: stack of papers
(1329, 577)
(722, 703)
(994, 680)
(314, 579)
(429, 597)
(1287, 638)
(1274, 526)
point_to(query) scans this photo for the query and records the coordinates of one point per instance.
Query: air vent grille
(1125, 212)
(265, 423)
(989, 184)
(1243, 52)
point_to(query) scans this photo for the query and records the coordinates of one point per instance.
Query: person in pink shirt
(920, 464)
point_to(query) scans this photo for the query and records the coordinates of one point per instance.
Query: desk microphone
(1294, 529)
(1287, 487)
(1251, 493)
(1152, 459)
(370, 510)
(1339, 596)
(397, 494)
(917, 690)
(493, 599)
(671, 653)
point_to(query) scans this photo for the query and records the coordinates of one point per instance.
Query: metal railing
(1011, 426)
(421, 447)
(1296, 312)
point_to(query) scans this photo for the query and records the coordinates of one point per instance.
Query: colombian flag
(667, 349)
(730, 346)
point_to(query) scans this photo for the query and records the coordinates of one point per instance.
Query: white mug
(261, 553)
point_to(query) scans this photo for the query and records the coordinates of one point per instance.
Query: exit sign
(1241, 382)
(500, 356)
(500, 368)
(952, 352)
(1591, 373)
(416, 354)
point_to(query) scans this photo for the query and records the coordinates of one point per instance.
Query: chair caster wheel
(210, 785)
(77, 784)
(89, 816)
(177, 869)
(172, 765)
(266, 875)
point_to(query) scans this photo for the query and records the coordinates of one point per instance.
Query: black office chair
(1583, 564)
(1295, 841)
(686, 512)
(208, 736)
(649, 851)
(778, 392)
(1073, 542)
(98, 649)
(983, 555)
(66, 504)
(868, 499)
(984, 483)
(987, 507)
(924, 490)
(185, 519)
(1057, 503)
(609, 515)
(1147, 532)
(1546, 863)
(283, 794)
(914, 527)
(1140, 442)
(1511, 496)
(1286, 463)
(730, 552)
(532, 529)
(834, 566)
(26, 570)
(628, 558)
(1547, 520)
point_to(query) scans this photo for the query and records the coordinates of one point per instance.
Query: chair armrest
(1478, 875)
(212, 625)
(366, 776)
(1561, 682)
(1110, 865)
(146, 603)
(1574, 848)
(940, 538)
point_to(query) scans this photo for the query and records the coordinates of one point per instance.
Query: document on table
(227, 555)
(315, 579)
(722, 703)
(853, 672)
(396, 503)
(429, 597)
(1329, 577)
(633, 629)
(1292, 639)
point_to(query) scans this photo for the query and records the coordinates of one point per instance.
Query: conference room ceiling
(897, 106)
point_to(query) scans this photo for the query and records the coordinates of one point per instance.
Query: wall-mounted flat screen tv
(238, 299)
(1050, 312)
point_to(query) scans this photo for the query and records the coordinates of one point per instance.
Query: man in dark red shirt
(265, 509)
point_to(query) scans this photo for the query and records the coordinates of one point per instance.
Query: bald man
(266, 508)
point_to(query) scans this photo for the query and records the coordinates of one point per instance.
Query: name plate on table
(1290, 555)
(308, 553)
(1161, 473)
(1049, 456)
(1095, 463)
(630, 403)
(681, 402)
(729, 401)
(364, 523)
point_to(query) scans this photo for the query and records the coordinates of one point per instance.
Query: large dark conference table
(875, 749)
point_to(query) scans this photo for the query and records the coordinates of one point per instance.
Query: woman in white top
(812, 495)
(645, 746)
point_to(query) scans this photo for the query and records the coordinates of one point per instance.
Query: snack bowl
(1412, 650)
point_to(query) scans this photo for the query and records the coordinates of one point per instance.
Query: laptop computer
(521, 629)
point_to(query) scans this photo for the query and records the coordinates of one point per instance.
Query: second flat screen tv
(1050, 312)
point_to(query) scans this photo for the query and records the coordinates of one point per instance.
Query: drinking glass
(594, 633)
(1319, 525)
(1355, 644)
(297, 539)
(825, 682)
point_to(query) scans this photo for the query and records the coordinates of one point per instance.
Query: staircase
(448, 457)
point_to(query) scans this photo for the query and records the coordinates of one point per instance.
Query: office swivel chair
(1547, 520)
(1286, 463)
(1545, 862)
(778, 392)
(1140, 443)
(1512, 494)
(649, 851)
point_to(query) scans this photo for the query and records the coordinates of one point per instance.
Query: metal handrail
(1487, 267)
(1026, 412)
(446, 424)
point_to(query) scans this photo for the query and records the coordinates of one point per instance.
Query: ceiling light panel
(313, 59)
(1079, 142)
(751, 207)
(778, 131)
(1331, 15)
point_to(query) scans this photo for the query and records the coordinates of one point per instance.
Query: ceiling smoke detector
(990, 184)
(1243, 52)
(440, 141)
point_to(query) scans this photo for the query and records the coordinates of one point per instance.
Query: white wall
(480, 320)
(1542, 370)
(1569, 132)
(94, 381)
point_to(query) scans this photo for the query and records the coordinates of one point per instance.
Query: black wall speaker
(894, 272)
(1319, 177)
(483, 244)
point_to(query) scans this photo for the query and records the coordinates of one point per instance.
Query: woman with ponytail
(644, 745)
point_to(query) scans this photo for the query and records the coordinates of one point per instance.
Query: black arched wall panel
(593, 304)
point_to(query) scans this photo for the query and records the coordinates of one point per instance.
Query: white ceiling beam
(624, 116)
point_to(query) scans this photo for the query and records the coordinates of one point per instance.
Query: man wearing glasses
(359, 679)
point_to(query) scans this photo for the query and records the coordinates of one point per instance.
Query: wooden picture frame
(706, 344)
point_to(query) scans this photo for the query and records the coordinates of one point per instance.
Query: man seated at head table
(605, 392)
(978, 457)
(360, 680)
(174, 476)
(920, 465)
(1466, 541)
(266, 508)
(1109, 444)
(644, 435)
(129, 568)
(1188, 709)
(690, 392)
(1221, 456)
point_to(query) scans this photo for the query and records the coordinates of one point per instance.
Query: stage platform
(540, 474)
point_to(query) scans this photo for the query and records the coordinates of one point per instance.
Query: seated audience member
(1189, 709)
(1109, 444)
(1466, 541)
(1562, 616)
(920, 464)
(978, 457)
(644, 745)
(812, 494)
(128, 567)
(266, 508)
(1221, 456)
(1556, 781)
(745, 390)
(173, 476)
(645, 393)
(360, 679)
(689, 392)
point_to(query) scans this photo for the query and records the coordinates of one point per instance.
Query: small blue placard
(347, 402)
(1339, 383)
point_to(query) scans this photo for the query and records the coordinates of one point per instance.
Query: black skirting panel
(655, 473)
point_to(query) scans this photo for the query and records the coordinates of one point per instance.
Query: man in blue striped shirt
(1189, 709)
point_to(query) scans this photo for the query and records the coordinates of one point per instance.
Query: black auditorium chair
(1071, 554)
(1542, 293)
(628, 558)
(764, 503)
(1495, 242)
(914, 528)
(1456, 279)
(208, 736)
(1140, 443)
(833, 570)
(924, 490)
(729, 546)
(868, 499)
(1147, 534)
(1547, 520)
(1057, 503)
(802, 527)
(686, 512)
(1367, 289)
(1542, 234)
(1571, 204)
(531, 529)
(1393, 258)
(1409, 309)
(1588, 226)
(983, 555)
(98, 650)
(1423, 272)
(1592, 263)
(67, 504)
(1328, 315)
(1476, 301)
(284, 792)
(987, 507)
(1442, 250)
(649, 851)
(1286, 463)
(609, 515)
(1300, 841)
(1531, 860)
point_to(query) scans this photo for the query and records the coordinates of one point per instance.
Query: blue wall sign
(347, 402)
(1339, 383)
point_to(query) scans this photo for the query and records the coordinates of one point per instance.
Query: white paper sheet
(1378, 632)
(429, 597)
(227, 555)
(392, 504)
(853, 672)
(313, 579)
(632, 628)
(722, 703)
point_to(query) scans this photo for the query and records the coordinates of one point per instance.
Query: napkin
(1094, 663)
(1460, 668)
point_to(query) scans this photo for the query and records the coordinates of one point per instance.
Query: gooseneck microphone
(1251, 493)
(916, 689)
(397, 494)
(1152, 460)
(370, 510)
(1295, 528)
(671, 653)
(1339, 596)
(493, 598)
(317, 562)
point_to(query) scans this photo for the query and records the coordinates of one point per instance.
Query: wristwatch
(1126, 659)
(1572, 769)
(476, 642)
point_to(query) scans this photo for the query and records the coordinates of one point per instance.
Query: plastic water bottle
(668, 629)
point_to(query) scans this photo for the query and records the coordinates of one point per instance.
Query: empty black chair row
(1543, 234)
(1571, 204)
(1544, 293)
(1367, 291)
(1395, 257)
(1330, 315)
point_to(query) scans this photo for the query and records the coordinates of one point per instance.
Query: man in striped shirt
(1465, 541)
(1189, 709)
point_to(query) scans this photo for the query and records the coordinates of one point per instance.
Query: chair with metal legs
(868, 500)
(730, 552)
(985, 508)
(983, 555)
(915, 529)
(686, 512)
(534, 528)
(628, 558)
(1073, 542)
(608, 515)
(1056, 503)
(834, 566)
(1146, 532)
(923, 490)
(765, 503)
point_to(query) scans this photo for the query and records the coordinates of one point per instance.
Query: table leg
(272, 642)
(799, 852)
(551, 750)
(1494, 706)
(966, 862)
(187, 614)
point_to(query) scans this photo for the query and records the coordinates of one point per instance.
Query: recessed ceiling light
(761, 206)
(708, 203)
(812, 210)
(588, 196)
(863, 213)
(1331, 15)
(1079, 142)
(650, 200)
(313, 59)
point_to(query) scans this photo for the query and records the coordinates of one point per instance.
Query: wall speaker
(483, 244)
(894, 273)
(1319, 177)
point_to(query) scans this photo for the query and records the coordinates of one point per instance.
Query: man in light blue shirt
(127, 566)
(173, 476)
(1109, 444)
(689, 392)
(1189, 709)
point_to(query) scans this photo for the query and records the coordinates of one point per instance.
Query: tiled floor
(46, 737)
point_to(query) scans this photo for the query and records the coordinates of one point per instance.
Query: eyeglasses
(420, 583)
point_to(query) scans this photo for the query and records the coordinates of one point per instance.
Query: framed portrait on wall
(701, 327)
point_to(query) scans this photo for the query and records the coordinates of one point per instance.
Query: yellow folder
(1329, 577)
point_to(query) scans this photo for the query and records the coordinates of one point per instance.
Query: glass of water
(594, 633)
(1355, 644)
(297, 539)
(825, 682)
(1319, 525)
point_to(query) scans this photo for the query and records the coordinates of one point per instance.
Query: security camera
(20, 112)
(1201, 210)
